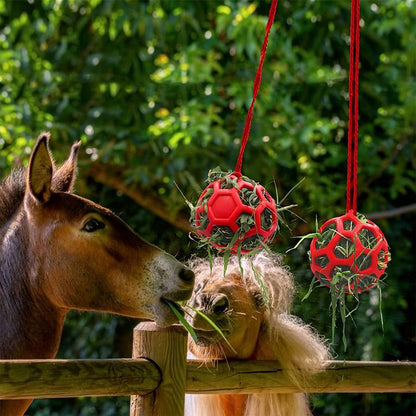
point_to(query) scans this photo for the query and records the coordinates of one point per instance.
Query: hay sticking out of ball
(349, 254)
(234, 214)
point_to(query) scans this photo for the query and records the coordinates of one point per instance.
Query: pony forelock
(283, 337)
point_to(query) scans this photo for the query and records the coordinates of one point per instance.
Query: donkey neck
(29, 333)
(30, 325)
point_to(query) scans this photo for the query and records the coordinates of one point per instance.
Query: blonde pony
(282, 336)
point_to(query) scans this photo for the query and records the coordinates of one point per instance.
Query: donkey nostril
(220, 305)
(186, 275)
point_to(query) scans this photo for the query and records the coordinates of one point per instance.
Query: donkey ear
(64, 178)
(40, 169)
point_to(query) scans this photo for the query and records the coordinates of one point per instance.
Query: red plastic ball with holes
(235, 214)
(350, 253)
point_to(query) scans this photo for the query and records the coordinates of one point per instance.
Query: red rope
(256, 87)
(353, 107)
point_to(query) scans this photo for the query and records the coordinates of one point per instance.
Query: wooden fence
(159, 366)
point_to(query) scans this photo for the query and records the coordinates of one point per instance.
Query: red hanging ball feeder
(350, 253)
(236, 214)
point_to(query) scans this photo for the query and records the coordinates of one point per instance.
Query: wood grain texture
(72, 378)
(167, 348)
(242, 377)
(118, 377)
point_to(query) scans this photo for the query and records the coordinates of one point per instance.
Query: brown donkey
(59, 251)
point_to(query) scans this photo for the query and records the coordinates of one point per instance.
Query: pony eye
(93, 225)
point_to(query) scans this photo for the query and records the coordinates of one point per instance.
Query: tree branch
(103, 174)
(392, 212)
(387, 162)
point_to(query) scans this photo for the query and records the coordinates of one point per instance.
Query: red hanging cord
(353, 107)
(256, 88)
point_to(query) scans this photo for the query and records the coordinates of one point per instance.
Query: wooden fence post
(167, 348)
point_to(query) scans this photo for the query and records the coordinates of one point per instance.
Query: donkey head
(86, 257)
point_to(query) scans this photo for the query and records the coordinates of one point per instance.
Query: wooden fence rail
(167, 374)
(125, 377)
(23, 379)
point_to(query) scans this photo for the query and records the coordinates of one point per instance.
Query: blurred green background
(158, 92)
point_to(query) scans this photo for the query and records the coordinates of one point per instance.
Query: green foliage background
(158, 91)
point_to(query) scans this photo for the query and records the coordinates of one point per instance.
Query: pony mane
(283, 337)
(12, 191)
(264, 271)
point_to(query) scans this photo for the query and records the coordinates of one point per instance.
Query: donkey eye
(93, 225)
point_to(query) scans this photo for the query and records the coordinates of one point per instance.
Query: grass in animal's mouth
(178, 310)
(177, 306)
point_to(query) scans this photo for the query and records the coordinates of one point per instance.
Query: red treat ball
(235, 213)
(350, 253)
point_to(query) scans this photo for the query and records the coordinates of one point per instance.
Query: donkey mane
(59, 252)
(12, 190)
